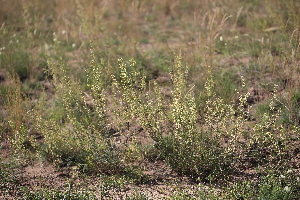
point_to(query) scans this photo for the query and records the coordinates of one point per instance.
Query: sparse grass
(209, 87)
(8, 179)
(269, 186)
(56, 194)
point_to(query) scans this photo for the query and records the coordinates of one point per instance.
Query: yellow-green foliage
(16, 107)
(202, 127)
(131, 91)
(183, 107)
(173, 127)
(78, 137)
(269, 133)
(216, 144)
(96, 85)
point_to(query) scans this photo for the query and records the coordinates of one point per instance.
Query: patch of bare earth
(161, 181)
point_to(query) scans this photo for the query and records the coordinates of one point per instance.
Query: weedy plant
(206, 137)
(16, 106)
(80, 136)
(211, 148)
(172, 125)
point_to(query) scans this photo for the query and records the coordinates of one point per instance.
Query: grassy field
(159, 99)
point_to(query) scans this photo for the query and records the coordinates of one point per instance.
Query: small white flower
(54, 33)
(221, 38)
(63, 32)
(236, 37)
(54, 39)
(287, 189)
(74, 45)
(289, 171)
(47, 46)
(34, 32)
(282, 176)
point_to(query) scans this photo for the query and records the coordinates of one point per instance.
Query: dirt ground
(161, 181)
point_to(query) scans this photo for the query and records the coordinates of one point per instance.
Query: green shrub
(173, 125)
(210, 148)
(79, 135)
